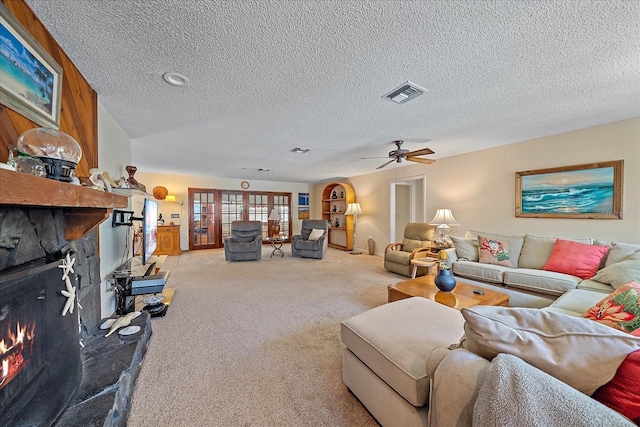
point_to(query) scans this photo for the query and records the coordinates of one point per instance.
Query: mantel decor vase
(445, 281)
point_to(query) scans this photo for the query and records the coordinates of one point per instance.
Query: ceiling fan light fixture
(404, 93)
(263, 170)
(299, 150)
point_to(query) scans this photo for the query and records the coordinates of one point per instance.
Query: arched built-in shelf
(338, 195)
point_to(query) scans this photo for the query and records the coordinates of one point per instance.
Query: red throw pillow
(577, 259)
(622, 393)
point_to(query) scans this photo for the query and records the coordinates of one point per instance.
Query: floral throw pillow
(494, 251)
(620, 309)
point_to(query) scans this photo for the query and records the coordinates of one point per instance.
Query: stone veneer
(28, 234)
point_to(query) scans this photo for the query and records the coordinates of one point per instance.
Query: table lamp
(275, 217)
(444, 220)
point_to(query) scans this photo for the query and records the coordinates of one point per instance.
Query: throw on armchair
(417, 237)
(309, 243)
(245, 242)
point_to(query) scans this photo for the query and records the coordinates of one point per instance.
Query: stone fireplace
(58, 370)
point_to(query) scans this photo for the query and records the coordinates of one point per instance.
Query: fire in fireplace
(16, 349)
(40, 349)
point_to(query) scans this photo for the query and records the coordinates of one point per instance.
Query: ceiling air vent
(405, 92)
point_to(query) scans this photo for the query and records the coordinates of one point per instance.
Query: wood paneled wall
(79, 102)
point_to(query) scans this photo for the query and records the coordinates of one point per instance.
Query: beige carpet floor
(256, 343)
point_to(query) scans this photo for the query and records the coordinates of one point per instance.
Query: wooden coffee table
(462, 295)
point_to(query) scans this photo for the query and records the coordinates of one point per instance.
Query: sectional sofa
(415, 362)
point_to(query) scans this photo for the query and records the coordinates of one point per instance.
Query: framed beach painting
(592, 191)
(30, 80)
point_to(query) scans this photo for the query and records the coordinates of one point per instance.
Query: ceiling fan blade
(390, 161)
(379, 157)
(419, 160)
(421, 152)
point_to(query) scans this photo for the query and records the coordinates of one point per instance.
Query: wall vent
(405, 92)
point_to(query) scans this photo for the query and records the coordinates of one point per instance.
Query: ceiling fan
(400, 154)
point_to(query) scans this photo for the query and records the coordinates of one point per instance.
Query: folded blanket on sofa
(516, 393)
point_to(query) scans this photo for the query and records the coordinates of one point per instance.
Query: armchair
(245, 242)
(418, 237)
(302, 246)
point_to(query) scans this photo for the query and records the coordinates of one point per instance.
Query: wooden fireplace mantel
(84, 208)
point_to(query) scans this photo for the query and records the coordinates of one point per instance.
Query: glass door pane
(259, 211)
(232, 209)
(282, 203)
(202, 222)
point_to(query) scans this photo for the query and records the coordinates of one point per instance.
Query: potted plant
(444, 279)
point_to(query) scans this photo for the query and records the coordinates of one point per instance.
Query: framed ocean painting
(592, 191)
(30, 80)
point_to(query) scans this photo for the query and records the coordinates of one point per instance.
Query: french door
(211, 213)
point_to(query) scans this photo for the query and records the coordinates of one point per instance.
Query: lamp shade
(274, 215)
(170, 198)
(353, 208)
(444, 217)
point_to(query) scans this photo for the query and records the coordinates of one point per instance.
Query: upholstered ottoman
(387, 350)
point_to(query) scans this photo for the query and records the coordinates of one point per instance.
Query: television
(149, 229)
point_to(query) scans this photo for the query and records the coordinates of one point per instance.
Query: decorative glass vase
(59, 152)
(445, 281)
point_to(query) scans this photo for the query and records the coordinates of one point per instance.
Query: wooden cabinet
(335, 199)
(168, 240)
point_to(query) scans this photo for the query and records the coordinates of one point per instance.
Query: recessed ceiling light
(405, 92)
(299, 150)
(176, 79)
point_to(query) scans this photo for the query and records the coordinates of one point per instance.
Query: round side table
(422, 262)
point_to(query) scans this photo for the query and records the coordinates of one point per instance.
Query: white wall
(178, 186)
(114, 154)
(479, 187)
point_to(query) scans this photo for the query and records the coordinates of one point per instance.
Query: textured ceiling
(268, 76)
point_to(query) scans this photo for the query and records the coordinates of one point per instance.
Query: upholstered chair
(310, 243)
(245, 242)
(418, 237)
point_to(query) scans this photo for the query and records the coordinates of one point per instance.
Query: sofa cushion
(622, 393)
(548, 282)
(575, 302)
(466, 249)
(399, 257)
(620, 251)
(494, 251)
(409, 245)
(394, 342)
(515, 243)
(307, 245)
(240, 247)
(621, 272)
(575, 258)
(563, 346)
(592, 285)
(619, 310)
(483, 272)
(537, 249)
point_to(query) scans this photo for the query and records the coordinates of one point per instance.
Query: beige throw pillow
(620, 273)
(577, 351)
(620, 251)
(466, 248)
(316, 233)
